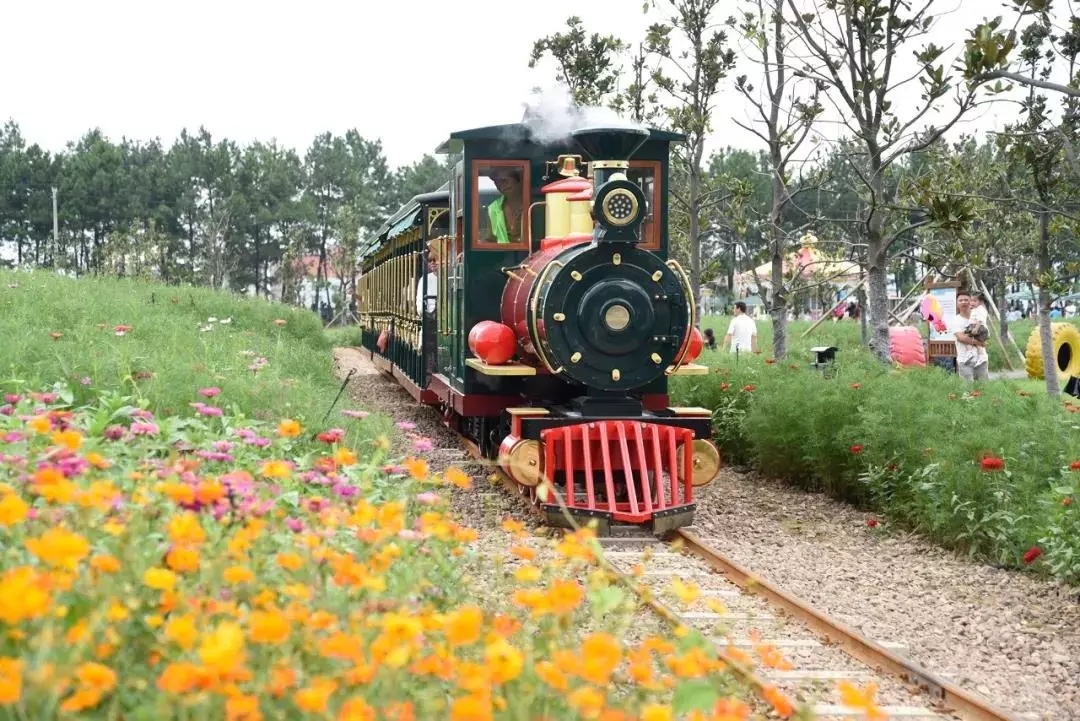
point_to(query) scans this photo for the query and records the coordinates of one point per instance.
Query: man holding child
(970, 330)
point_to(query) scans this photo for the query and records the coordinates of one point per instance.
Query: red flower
(1067, 501)
(872, 523)
(770, 361)
(749, 388)
(856, 386)
(891, 466)
(992, 463)
(1074, 466)
(1032, 553)
(331, 436)
(725, 386)
(856, 449)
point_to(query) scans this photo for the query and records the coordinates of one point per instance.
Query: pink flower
(427, 498)
(144, 429)
(11, 398)
(423, 445)
(209, 392)
(406, 425)
(355, 414)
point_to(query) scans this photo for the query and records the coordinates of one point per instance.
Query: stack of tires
(1065, 338)
(906, 346)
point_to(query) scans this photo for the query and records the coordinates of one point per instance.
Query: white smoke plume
(551, 115)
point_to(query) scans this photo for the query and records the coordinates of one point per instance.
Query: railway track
(806, 654)
(810, 653)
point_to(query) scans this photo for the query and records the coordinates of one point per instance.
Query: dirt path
(485, 505)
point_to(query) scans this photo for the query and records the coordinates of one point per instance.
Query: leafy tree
(851, 50)
(696, 57)
(586, 63)
(785, 117)
(1043, 142)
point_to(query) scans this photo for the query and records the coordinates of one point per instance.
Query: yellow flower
(223, 649)
(160, 579)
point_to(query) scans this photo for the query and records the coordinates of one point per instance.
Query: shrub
(984, 470)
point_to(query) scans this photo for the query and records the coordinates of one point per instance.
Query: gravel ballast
(1013, 638)
(1010, 637)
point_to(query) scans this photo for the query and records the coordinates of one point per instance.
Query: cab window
(500, 191)
(646, 173)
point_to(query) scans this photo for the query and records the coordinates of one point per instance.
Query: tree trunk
(878, 302)
(999, 300)
(779, 247)
(1046, 337)
(694, 210)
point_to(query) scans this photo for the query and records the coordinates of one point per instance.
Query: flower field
(992, 471)
(213, 540)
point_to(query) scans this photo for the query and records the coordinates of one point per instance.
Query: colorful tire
(1066, 342)
(906, 346)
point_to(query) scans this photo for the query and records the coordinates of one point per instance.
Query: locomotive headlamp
(619, 209)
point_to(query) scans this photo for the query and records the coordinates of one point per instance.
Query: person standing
(742, 332)
(972, 362)
(425, 309)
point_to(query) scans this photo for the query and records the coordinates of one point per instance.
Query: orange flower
(458, 478)
(780, 703)
(600, 654)
(11, 680)
(314, 698)
(462, 627)
(59, 548)
(289, 428)
(269, 627)
(12, 510)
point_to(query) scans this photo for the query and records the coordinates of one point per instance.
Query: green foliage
(265, 370)
(910, 444)
(203, 210)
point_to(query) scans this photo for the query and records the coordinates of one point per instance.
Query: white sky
(408, 72)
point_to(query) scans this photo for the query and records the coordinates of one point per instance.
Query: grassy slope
(166, 356)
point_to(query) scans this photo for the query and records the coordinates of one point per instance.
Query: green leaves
(694, 696)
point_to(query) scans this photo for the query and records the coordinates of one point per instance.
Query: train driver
(506, 212)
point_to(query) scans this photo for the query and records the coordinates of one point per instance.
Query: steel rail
(944, 696)
(949, 697)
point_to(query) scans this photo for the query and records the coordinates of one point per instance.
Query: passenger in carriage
(506, 212)
(425, 308)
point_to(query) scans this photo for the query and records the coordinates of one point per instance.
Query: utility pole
(55, 223)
